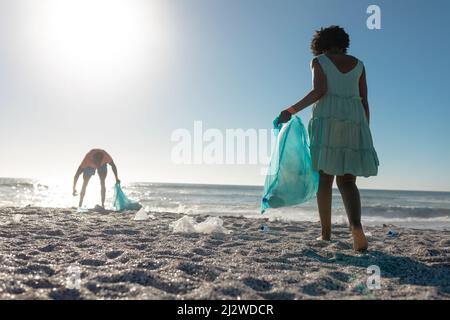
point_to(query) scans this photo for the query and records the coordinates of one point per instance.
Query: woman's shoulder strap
(360, 66)
(321, 59)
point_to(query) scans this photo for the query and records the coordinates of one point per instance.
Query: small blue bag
(121, 201)
(290, 179)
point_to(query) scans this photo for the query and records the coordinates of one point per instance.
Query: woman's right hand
(284, 116)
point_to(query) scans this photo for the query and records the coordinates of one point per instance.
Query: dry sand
(124, 259)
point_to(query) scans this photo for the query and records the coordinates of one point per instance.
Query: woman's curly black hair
(330, 37)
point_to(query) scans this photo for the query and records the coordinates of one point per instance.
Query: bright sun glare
(103, 39)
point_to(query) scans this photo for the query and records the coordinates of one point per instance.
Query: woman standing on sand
(341, 142)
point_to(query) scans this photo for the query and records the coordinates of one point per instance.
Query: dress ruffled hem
(343, 160)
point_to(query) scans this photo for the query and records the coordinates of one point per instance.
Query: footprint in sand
(278, 295)
(294, 229)
(257, 284)
(197, 270)
(197, 259)
(149, 265)
(36, 268)
(22, 256)
(341, 245)
(113, 254)
(41, 283)
(246, 237)
(48, 248)
(92, 262)
(79, 238)
(146, 279)
(341, 276)
(213, 243)
(322, 286)
(279, 266)
(109, 290)
(231, 291)
(7, 235)
(15, 290)
(141, 247)
(202, 252)
(234, 243)
(128, 232)
(64, 294)
(84, 245)
(54, 233)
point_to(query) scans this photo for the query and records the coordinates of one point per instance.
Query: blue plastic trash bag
(121, 201)
(290, 178)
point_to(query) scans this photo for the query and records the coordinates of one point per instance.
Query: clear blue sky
(128, 74)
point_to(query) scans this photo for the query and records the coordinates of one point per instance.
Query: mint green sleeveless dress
(340, 138)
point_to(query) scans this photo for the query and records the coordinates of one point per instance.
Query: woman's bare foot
(359, 240)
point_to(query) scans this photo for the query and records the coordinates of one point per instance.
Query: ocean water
(415, 209)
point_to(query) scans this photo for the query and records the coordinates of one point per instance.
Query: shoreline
(239, 185)
(120, 258)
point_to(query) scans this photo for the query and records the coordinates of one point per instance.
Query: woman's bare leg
(352, 202)
(324, 194)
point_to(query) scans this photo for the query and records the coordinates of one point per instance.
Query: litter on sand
(82, 210)
(121, 201)
(142, 215)
(290, 179)
(188, 225)
(17, 218)
(392, 233)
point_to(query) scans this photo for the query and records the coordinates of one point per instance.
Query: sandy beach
(120, 258)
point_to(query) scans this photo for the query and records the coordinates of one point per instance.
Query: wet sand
(119, 258)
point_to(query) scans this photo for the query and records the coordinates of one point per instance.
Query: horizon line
(248, 185)
(262, 186)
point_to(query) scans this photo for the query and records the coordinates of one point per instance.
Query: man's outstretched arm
(75, 180)
(114, 169)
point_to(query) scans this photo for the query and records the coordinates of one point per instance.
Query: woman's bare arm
(363, 94)
(319, 89)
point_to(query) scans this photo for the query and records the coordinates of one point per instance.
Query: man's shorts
(91, 171)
